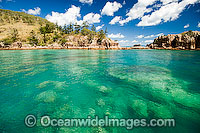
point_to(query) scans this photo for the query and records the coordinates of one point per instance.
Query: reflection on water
(121, 84)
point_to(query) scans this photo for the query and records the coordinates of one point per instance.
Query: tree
(93, 28)
(65, 29)
(60, 29)
(92, 34)
(63, 41)
(77, 28)
(45, 30)
(106, 31)
(57, 27)
(33, 38)
(85, 25)
(85, 32)
(101, 36)
(55, 37)
(70, 29)
(14, 34)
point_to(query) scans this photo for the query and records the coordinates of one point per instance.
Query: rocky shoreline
(185, 41)
(71, 48)
(105, 45)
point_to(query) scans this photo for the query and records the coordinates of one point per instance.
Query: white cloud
(165, 13)
(86, 1)
(99, 27)
(138, 10)
(124, 3)
(198, 25)
(119, 35)
(140, 36)
(123, 41)
(154, 12)
(187, 26)
(149, 41)
(134, 41)
(152, 36)
(92, 18)
(35, 11)
(115, 20)
(168, 1)
(70, 16)
(110, 8)
(0, 0)
(161, 34)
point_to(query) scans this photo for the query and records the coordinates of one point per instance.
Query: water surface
(120, 84)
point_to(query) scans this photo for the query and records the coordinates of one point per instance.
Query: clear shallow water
(121, 84)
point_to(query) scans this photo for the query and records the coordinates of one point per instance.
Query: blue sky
(128, 21)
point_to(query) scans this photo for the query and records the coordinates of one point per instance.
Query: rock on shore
(186, 40)
(73, 42)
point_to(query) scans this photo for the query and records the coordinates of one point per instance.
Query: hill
(185, 40)
(24, 23)
(21, 30)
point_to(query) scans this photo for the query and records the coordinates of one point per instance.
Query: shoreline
(87, 48)
(83, 48)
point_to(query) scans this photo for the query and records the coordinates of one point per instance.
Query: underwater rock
(91, 112)
(140, 107)
(101, 102)
(185, 98)
(47, 96)
(104, 89)
(57, 84)
(159, 84)
(159, 110)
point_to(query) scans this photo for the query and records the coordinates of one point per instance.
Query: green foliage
(93, 28)
(70, 28)
(49, 31)
(63, 41)
(33, 38)
(14, 34)
(49, 28)
(7, 41)
(106, 31)
(190, 33)
(101, 36)
(77, 28)
(55, 37)
(85, 32)
(85, 25)
(45, 30)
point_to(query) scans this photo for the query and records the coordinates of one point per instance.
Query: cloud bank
(154, 12)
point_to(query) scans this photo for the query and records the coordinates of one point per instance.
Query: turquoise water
(120, 84)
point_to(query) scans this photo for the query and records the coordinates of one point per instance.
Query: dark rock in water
(186, 40)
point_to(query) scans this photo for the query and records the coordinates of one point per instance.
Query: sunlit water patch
(120, 84)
